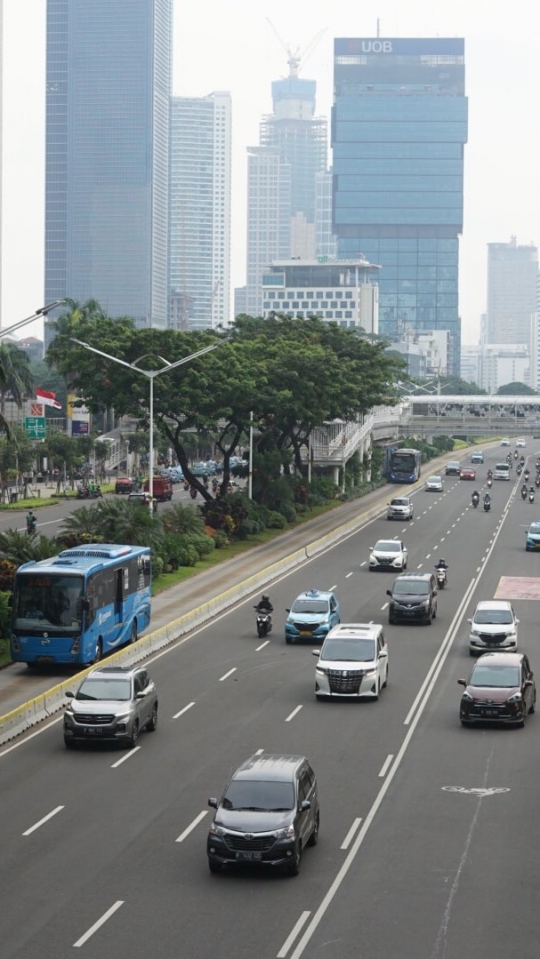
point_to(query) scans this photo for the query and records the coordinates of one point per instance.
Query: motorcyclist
(487, 500)
(264, 605)
(475, 497)
(31, 521)
(524, 491)
(490, 474)
(442, 564)
(531, 493)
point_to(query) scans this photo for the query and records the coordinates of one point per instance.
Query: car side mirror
(462, 682)
(287, 610)
(304, 805)
(389, 592)
(383, 654)
(141, 694)
(316, 652)
(213, 803)
(469, 620)
(517, 621)
(528, 683)
(69, 694)
(434, 592)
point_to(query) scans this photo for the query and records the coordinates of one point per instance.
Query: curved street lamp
(151, 375)
(43, 310)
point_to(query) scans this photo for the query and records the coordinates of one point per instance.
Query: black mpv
(413, 597)
(267, 815)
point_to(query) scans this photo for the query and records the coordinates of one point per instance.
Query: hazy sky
(228, 45)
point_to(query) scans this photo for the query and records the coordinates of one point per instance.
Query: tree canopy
(516, 389)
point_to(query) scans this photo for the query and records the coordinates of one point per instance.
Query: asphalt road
(427, 846)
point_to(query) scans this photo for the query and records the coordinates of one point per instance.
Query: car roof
(266, 766)
(535, 524)
(500, 659)
(494, 604)
(355, 631)
(113, 671)
(435, 476)
(421, 577)
(315, 594)
(401, 499)
(394, 542)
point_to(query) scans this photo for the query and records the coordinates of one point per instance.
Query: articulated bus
(405, 466)
(74, 607)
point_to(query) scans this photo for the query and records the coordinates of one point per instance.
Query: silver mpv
(112, 704)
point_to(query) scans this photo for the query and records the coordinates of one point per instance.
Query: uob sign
(376, 46)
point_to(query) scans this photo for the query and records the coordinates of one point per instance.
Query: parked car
(312, 616)
(352, 663)
(413, 597)
(500, 689)
(267, 815)
(493, 625)
(400, 507)
(389, 554)
(113, 703)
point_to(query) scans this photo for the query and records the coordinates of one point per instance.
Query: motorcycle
(516, 454)
(489, 483)
(264, 621)
(487, 506)
(526, 474)
(519, 471)
(475, 500)
(84, 492)
(441, 577)
(523, 492)
(537, 482)
(531, 496)
(31, 527)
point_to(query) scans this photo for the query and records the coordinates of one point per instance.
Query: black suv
(267, 815)
(413, 597)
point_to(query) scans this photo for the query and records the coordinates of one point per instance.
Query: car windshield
(416, 588)
(111, 689)
(317, 606)
(454, 464)
(499, 617)
(259, 795)
(387, 546)
(503, 676)
(434, 479)
(535, 528)
(399, 502)
(353, 650)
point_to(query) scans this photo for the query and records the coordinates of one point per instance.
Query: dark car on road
(267, 815)
(453, 468)
(500, 689)
(413, 598)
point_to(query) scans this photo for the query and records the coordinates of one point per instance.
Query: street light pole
(151, 375)
(43, 310)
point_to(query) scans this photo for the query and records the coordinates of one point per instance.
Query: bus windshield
(405, 462)
(47, 601)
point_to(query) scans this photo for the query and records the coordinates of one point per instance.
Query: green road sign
(35, 427)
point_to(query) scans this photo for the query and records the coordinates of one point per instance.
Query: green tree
(20, 548)
(516, 389)
(15, 378)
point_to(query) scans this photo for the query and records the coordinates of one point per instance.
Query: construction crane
(297, 58)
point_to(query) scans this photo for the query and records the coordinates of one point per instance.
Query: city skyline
(500, 200)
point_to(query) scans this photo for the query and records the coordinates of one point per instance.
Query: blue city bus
(405, 466)
(74, 607)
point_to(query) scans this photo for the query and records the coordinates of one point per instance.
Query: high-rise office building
(399, 126)
(325, 239)
(282, 174)
(107, 152)
(200, 211)
(512, 292)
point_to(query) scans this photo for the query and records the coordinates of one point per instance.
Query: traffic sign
(35, 427)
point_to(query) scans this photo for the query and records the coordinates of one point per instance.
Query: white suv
(400, 507)
(353, 662)
(493, 626)
(388, 554)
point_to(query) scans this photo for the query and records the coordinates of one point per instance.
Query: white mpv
(352, 662)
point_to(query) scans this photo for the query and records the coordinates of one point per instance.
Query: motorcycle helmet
(265, 598)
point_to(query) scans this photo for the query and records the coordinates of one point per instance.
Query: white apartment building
(503, 363)
(512, 292)
(200, 211)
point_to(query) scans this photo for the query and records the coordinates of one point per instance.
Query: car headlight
(467, 698)
(320, 671)
(370, 674)
(286, 833)
(122, 717)
(217, 830)
(425, 603)
(516, 698)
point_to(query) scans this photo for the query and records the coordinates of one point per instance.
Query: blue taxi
(533, 537)
(312, 615)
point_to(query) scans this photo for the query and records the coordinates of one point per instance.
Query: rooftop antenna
(296, 58)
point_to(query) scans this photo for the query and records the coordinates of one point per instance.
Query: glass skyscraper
(200, 211)
(107, 131)
(399, 125)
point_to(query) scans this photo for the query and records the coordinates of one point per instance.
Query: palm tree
(15, 378)
(83, 522)
(130, 523)
(20, 548)
(183, 520)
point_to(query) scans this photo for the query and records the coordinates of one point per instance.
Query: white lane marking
(192, 826)
(293, 714)
(385, 606)
(41, 821)
(448, 532)
(428, 555)
(127, 756)
(290, 939)
(258, 648)
(478, 568)
(106, 915)
(347, 841)
(4, 752)
(226, 676)
(442, 539)
(453, 526)
(259, 752)
(364, 563)
(385, 766)
(182, 711)
(420, 565)
(332, 588)
(349, 574)
(404, 530)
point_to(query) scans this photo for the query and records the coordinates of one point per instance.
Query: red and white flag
(48, 399)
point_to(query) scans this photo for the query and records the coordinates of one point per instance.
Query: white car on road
(388, 554)
(352, 662)
(434, 484)
(400, 507)
(494, 626)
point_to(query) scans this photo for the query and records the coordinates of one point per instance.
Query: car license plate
(45, 659)
(249, 856)
(493, 644)
(305, 632)
(93, 730)
(490, 712)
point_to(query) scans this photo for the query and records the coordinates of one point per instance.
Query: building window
(305, 305)
(319, 294)
(286, 305)
(334, 304)
(339, 314)
(348, 295)
(338, 295)
(348, 314)
(309, 295)
(295, 304)
(281, 295)
(329, 315)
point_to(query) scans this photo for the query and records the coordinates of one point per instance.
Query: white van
(502, 471)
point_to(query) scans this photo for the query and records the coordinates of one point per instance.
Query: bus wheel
(133, 637)
(98, 652)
